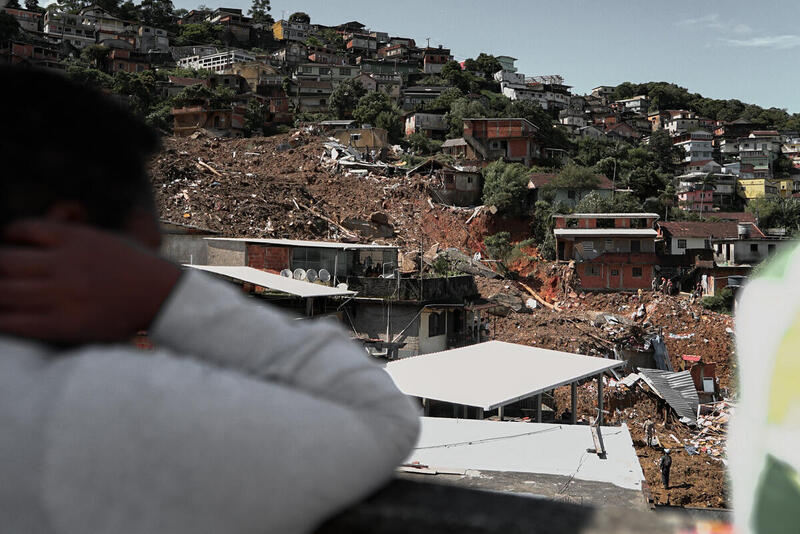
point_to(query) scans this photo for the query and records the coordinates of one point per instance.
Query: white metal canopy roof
(274, 282)
(493, 374)
(301, 243)
(528, 448)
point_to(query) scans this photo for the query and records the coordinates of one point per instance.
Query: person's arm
(265, 425)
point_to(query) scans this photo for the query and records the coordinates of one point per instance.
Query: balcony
(440, 289)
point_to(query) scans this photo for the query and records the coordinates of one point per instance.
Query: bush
(498, 245)
(505, 185)
(721, 302)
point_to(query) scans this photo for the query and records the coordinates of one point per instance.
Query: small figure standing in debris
(669, 287)
(665, 464)
(485, 329)
(654, 284)
(699, 289)
(648, 432)
(663, 286)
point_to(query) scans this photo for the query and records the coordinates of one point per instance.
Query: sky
(741, 49)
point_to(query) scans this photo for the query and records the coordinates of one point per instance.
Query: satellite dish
(324, 275)
(299, 274)
(342, 286)
(286, 273)
(311, 275)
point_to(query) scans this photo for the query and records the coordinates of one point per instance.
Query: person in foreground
(240, 421)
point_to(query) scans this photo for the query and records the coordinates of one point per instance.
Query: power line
(487, 440)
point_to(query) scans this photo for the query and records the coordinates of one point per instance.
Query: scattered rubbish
(681, 336)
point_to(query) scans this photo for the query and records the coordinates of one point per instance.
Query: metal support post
(539, 408)
(599, 400)
(574, 394)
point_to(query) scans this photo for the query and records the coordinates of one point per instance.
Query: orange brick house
(611, 250)
(508, 139)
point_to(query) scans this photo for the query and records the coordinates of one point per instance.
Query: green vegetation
(345, 98)
(721, 302)
(665, 95)
(505, 186)
(376, 109)
(259, 12)
(498, 245)
(777, 213)
(420, 144)
(300, 17)
(199, 33)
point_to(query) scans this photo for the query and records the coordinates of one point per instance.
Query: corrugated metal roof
(274, 282)
(677, 389)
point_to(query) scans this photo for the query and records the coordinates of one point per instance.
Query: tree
(313, 41)
(14, 4)
(33, 5)
(157, 13)
(575, 177)
(96, 55)
(333, 39)
(452, 73)
(375, 108)
(485, 64)
(421, 144)
(256, 117)
(505, 186)
(444, 101)
(259, 11)
(461, 109)
(498, 245)
(199, 33)
(9, 27)
(345, 97)
(619, 203)
(300, 17)
(129, 11)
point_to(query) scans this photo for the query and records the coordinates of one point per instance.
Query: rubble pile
(291, 186)
(595, 323)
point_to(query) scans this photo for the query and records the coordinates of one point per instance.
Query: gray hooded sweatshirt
(241, 421)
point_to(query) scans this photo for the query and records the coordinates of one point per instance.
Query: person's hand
(71, 283)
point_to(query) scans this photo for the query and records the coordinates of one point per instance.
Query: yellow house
(751, 188)
(788, 186)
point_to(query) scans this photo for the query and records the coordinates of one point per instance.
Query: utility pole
(428, 40)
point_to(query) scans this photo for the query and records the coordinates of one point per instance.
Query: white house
(696, 145)
(217, 62)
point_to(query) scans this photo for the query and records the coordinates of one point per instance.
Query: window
(614, 272)
(571, 194)
(636, 272)
(636, 245)
(753, 247)
(592, 270)
(437, 324)
(605, 223)
(681, 243)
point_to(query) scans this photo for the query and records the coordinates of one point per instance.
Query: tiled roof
(716, 230)
(741, 216)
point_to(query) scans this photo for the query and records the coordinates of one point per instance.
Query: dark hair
(65, 141)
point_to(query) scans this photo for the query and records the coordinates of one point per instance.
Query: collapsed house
(451, 184)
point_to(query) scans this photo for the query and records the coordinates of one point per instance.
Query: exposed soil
(282, 186)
